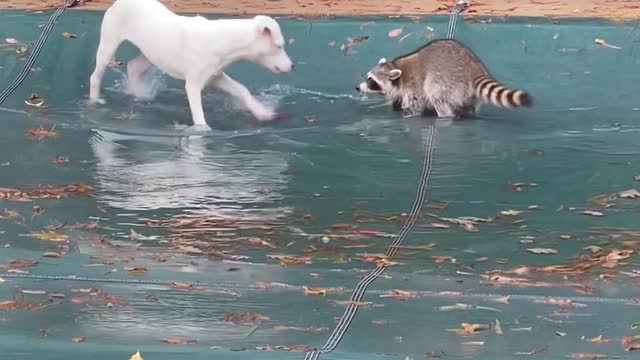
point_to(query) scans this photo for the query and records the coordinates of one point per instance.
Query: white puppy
(193, 49)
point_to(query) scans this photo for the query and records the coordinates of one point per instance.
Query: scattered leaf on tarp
(440, 259)
(11, 214)
(35, 100)
(542, 251)
(593, 213)
(510, 212)
(502, 299)
(78, 301)
(605, 44)
(60, 160)
(319, 290)
(310, 329)
(173, 340)
(49, 236)
(69, 35)
(395, 32)
(244, 317)
(351, 42)
(52, 255)
(41, 132)
(8, 304)
(630, 194)
(497, 327)
(586, 356)
(596, 340)
(79, 340)
(565, 236)
(136, 356)
(521, 329)
(532, 352)
(21, 263)
(11, 41)
(560, 333)
(137, 270)
(469, 329)
(401, 294)
(476, 343)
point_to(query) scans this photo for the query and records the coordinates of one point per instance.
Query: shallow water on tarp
(340, 159)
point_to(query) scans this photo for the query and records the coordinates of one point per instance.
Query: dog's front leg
(193, 87)
(236, 89)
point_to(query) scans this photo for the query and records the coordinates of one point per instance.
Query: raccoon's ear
(395, 74)
(382, 61)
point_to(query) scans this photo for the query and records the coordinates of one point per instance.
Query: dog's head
(380, 79)
(269, 47)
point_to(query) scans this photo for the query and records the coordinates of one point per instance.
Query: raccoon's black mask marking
(373, 85)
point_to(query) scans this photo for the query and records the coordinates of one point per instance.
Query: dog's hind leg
(109, 42)
(236, 89)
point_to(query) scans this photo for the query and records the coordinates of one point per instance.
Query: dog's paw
(97, 101)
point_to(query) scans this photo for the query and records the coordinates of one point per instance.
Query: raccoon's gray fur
(443, 77)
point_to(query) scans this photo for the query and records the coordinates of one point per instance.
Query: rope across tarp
(36, 49)
(421, 194)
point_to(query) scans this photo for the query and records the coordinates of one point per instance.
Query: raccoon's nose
(357, 87)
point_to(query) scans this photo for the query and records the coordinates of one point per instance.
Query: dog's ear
(265, 30)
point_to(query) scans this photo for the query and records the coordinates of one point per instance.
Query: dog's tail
(491, 91)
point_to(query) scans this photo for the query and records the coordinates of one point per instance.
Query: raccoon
(442, 78)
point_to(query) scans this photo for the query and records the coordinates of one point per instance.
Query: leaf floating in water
(69, 35)
(593, 213)
(52, 255)
(35, 100)
(630, 194)
(351, 42)
(136, 356)
(40, 132)
(245, 317)
(11, 41)
(605, 44)
(49, 236)
(395, 32)
(60, 160)
(469, 329)
(318, 290)
(137, 270)
(401, 294)
(79, 340)
(497, 327)
(596, 340)
(586, 356)
(173, 340)
(542, 251)
(510, 212)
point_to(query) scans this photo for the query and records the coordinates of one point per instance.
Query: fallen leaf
(179, 341)
(11, 214)
(596, 340)
(401, 294)
(21, 263)
(502, 299)
(585, 356)
(318, 290)
(630, 194)
(52, 255)
(497, 328)
(521, 329)
(35, 100)
(351, 42)
(78, 301)
(310, 329)
(136, 356)
(510, 212)
(560, 333)
(41, 132)
(244, 317)
(50, 236)
(137, 270)
(69, 35)
(440, 259)
(565, 236)
(605, 44)
(478, 343)
(543, 251)
(469, 329)
(395, 32)
(60, 160)
(593, 213)
(79, 340)
(11, 41)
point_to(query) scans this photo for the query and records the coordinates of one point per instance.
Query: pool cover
(246, 241)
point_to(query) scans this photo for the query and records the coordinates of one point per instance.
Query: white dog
(193, 49)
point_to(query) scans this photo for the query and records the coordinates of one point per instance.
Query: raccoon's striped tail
(491, 91)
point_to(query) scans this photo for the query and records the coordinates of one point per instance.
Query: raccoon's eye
(373, 85)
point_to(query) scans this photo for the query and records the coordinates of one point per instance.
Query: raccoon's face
(380, 79)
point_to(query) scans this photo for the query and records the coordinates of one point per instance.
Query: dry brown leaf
(52, 255)
(244, 317)
(69, 35)
(173, 340)
(41, 132)
(586, 356)
(50, 236)
(593, 213)
(596, 340)
(79, 340)
(502, 299)
(319, 290)
(60, 160)
(470, 329)
(542, 251)
(395, 32)
(497, 327)
(630, 194)
(137, 270)
(440, 259)
(401, 294)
